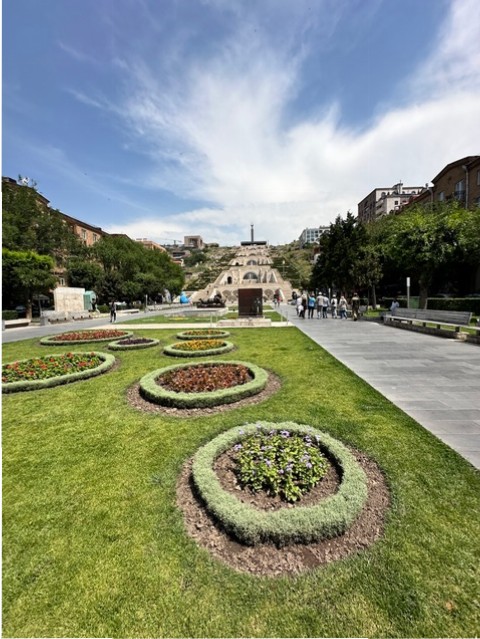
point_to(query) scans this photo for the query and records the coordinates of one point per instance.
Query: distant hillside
(204, 266)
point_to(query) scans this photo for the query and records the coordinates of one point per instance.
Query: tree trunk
(423, 296)
(374, 297)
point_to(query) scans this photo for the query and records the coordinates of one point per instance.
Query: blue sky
(165, 118)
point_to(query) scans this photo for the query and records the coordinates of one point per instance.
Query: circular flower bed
(203, 385)
(83, 337)
(132, 343)
(203, 333)
(329, 518)
(198, 348)
(53, 370)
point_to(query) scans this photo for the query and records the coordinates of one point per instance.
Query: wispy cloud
(220, 130)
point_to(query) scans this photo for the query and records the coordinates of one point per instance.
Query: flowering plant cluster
(199, 345)
(132, 341)
(204, 378)
(90, 335)
(51, 366)
(199, 332)
(280, 462)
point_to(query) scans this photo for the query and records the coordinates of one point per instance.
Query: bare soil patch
(137, 401)
(266, 559)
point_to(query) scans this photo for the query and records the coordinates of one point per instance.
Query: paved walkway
(434, 380)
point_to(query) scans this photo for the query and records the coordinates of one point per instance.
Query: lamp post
(408, 292)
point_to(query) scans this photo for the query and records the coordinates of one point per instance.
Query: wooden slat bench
(423, 317)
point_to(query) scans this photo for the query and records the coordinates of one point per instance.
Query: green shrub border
(226, 348)
(150, 390)
(50, 340)
(302, 524)
(115, 346)
(36, 384)
(219, 334)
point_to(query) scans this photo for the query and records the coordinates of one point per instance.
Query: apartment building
(311, 235)
(151, 245)
(384, 200)
(459, 180)
(88, 233)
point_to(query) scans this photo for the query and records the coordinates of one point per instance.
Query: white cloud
(222, 128)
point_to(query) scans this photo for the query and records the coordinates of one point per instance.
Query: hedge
(302, 524)
(51, 339)
(152, 391)
(471, 304)
(175, 352)
(9, 315)
(203, 334)
(36, 384)
(116, 346)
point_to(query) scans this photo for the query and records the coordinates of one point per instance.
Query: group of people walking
(307, 304)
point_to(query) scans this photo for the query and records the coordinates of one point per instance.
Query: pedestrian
(333, 306)
(394, 306)
(319, 305)
(325, 306)
(113, 312)
(298, 303)
(355, 306)
(301, 310)
(342, 307)
(311, 305)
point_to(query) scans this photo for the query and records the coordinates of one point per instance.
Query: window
(459, 192)
(478, 177)
(396, 202)
(83, 235)
(61, 281)
(95, 238)
(441, 196)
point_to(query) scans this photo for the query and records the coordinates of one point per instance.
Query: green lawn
(93, 544)
(170, 319)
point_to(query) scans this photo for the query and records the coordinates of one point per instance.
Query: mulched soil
(266, 559)
(137, 401)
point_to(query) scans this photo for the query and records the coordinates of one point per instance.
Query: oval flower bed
(203, 333)
(53, 370)
(83, 337)
(330, 517)
(203, 385)
(198, 348)
(132, 343)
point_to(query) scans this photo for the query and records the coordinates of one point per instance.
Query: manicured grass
(93, 544)
(170, 319)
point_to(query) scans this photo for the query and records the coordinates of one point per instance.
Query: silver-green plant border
(36, 384)
(50, 339)
(116, 346)
(153, 392)
(219, 334)
(226, 348)
(301, 524)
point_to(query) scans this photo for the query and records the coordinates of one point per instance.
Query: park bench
(16, 323)
(423, 317)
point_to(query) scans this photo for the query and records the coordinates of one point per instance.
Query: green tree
(25, 274)
(28, 224)
(343, 250)
(85, 274)
(424, 241)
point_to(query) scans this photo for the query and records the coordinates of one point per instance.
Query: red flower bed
(89, 335)
(200, 379)
(46, 367)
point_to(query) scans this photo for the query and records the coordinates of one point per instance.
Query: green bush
(471, 304)
(9, 315)
(152, 391)
(329, 518)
